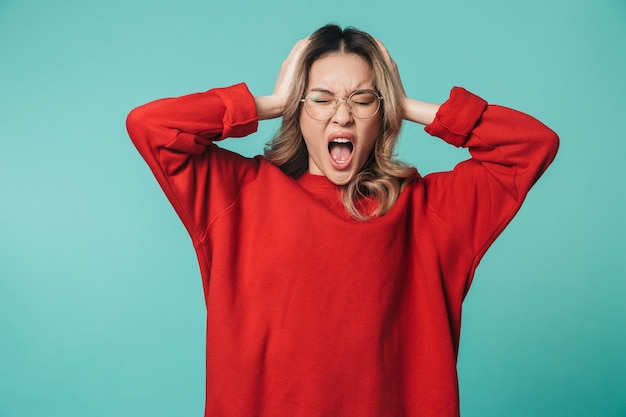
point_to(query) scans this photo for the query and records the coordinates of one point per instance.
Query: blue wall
(101, 306)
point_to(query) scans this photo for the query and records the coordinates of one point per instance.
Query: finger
(393, 67)
(385, 53)
(297, 49)
(383, 48)
(288, 67)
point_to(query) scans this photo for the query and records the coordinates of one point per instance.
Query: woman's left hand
(413, 110)
(393, 67)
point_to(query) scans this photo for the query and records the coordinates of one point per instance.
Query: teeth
(340, 140)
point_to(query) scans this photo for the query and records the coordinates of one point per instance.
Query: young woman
(333, 274)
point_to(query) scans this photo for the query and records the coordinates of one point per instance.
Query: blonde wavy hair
(382, 177)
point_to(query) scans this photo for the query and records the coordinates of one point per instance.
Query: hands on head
(274, 105)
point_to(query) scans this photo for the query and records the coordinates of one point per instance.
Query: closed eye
(363, 98)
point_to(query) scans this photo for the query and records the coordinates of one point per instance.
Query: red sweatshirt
(310, 312)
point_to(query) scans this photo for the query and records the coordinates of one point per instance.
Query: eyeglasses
(362, 104)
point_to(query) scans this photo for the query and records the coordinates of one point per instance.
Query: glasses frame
(348, 101)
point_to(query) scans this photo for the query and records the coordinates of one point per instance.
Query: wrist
(419, 111)
(269, 107)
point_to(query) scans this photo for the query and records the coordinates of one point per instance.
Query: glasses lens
(320, 105)
(361, 104)
(364, 104)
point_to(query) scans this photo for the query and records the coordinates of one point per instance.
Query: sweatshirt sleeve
(509, 152)
(175, 137)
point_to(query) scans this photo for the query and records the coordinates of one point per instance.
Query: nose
(342, 114)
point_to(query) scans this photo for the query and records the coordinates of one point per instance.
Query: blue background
(101, 305)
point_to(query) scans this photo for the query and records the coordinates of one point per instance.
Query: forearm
(188, 123)
(510, 150)
(419, 111)
(513, 146)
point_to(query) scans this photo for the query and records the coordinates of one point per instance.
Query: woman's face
(339, 147)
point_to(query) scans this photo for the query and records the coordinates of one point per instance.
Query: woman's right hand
(269, 107)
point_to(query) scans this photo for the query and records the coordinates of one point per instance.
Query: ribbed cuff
(457, 117)
(240, 118)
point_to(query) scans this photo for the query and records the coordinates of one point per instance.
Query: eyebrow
(323, 90)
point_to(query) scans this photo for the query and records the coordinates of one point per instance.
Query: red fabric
(312, 313)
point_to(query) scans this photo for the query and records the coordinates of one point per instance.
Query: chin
(339, 181)
(340, 178)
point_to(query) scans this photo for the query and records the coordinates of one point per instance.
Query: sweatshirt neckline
(318, 181)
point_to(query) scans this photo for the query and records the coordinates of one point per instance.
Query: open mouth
(340, 150)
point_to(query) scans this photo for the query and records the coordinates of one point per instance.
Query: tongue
(340, 152)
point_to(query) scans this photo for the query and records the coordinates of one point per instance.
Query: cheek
(311, 130)
(369, 133)
(304, 126)
(306, 131)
